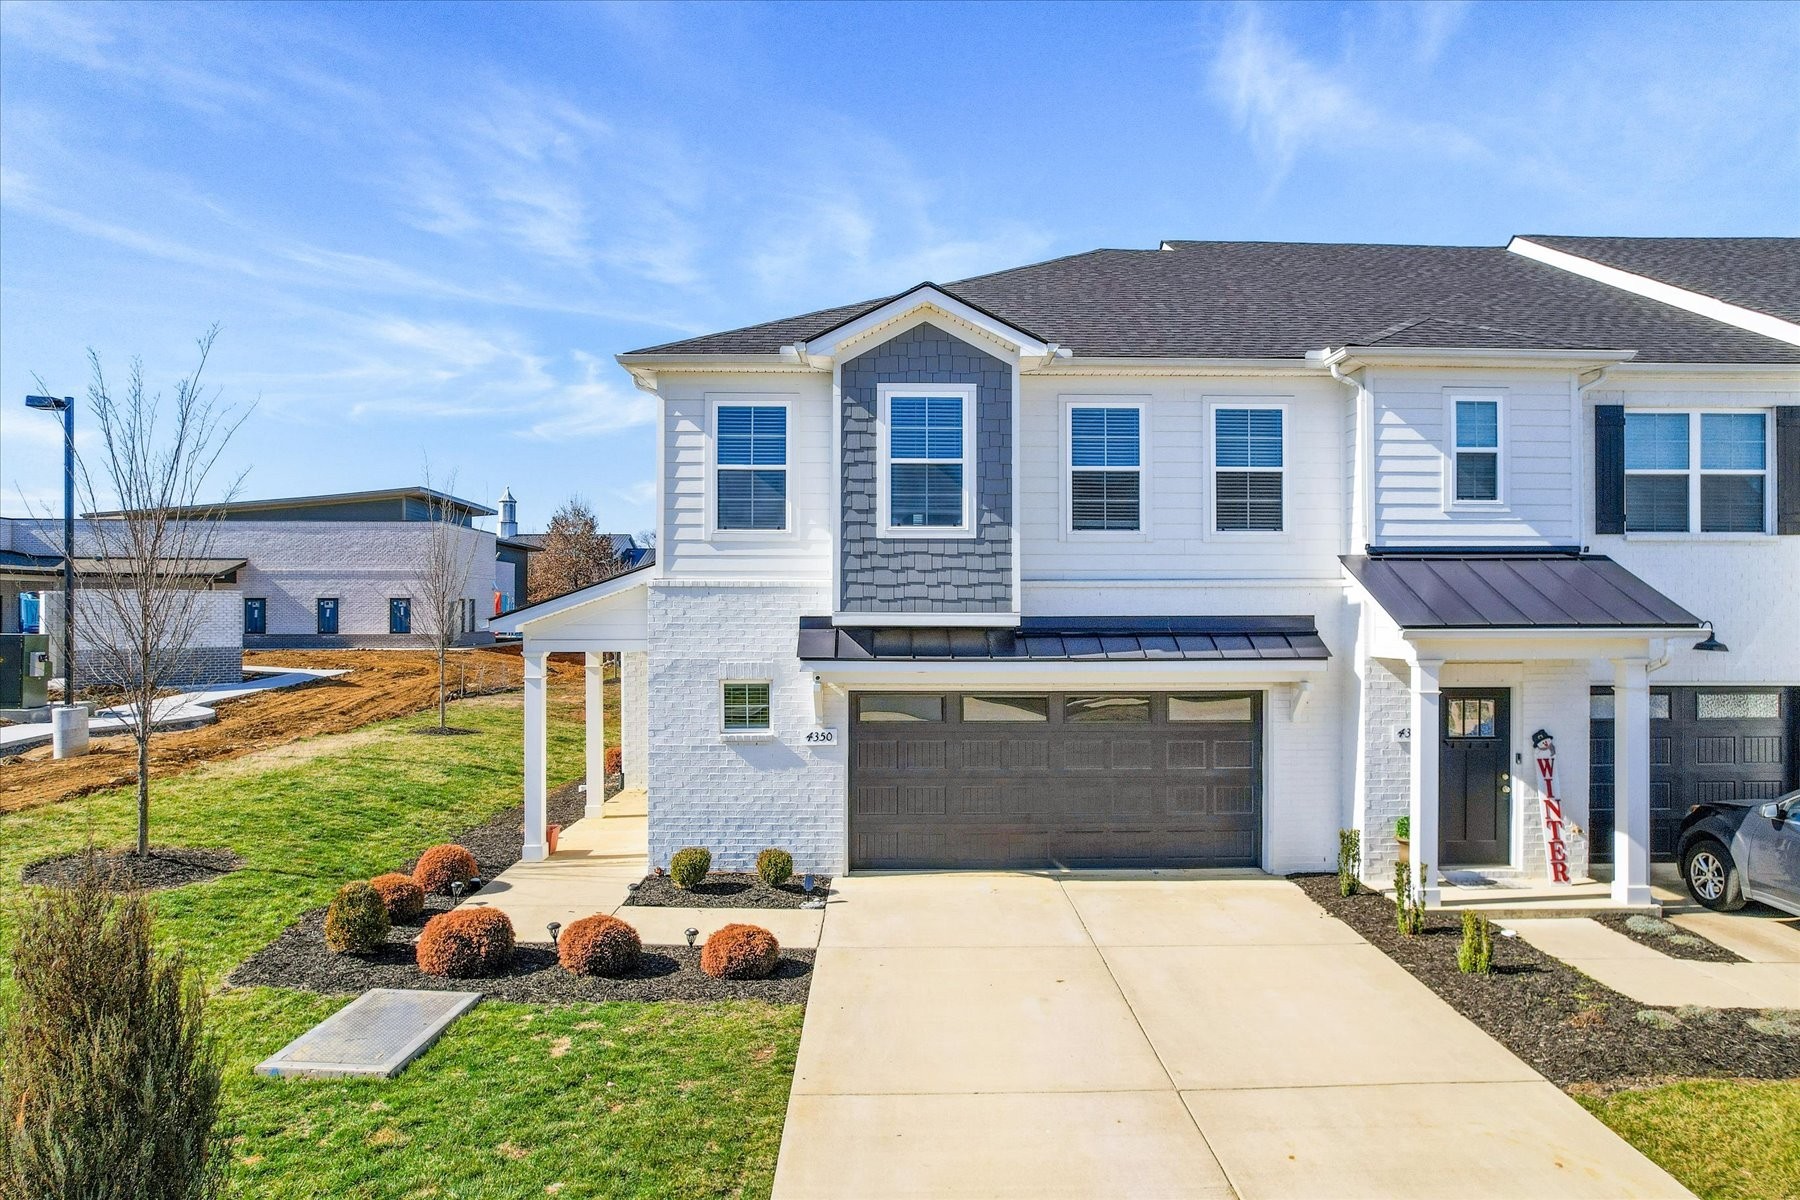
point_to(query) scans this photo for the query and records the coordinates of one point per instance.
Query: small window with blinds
(1248, 468)
(750, 449)
(1105, 468)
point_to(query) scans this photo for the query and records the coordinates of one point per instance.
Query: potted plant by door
(1402, 835)
(552, 834)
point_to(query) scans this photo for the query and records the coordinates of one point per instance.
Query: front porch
(1475, 678)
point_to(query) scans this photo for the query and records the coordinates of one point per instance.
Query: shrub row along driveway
(1016, 1035)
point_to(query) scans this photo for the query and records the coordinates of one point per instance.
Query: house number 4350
(821, 737)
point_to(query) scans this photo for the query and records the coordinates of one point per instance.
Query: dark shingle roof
(1282, 299)
(1513, 591)
(1758, 273)
(1070, 639)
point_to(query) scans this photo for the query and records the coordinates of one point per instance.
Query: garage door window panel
(880, 708)
(1005, 709)
(1212, 708)
(1101, 710)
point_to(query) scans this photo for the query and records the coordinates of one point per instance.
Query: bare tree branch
(139, 612)
(443, 584)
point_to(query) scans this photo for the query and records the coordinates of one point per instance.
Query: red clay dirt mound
(382, 684)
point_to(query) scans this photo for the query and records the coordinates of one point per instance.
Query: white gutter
(1655, 289)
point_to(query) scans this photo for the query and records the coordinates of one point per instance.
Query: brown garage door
(1073, 779)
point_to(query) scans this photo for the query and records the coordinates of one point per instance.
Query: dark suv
(1731, 853)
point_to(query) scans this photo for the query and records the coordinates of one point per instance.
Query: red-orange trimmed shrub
(615, 760)
(441, 866)
(740, 952)
(404, 898)
(600, 945)
(465, 943)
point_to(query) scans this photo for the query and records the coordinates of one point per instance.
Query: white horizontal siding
(687, 549)
(1179, 541)
(1412, 457)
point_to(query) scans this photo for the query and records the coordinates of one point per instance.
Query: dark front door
(1475, 777)
(1046, 779)
(399, 615)
(256, 615)
(328, 615)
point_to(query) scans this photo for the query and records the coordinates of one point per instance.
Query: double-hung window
(1248, 466)
(1679, 464)
(751, 467)
(928, 467)
(1477, 453)
(1105, 475)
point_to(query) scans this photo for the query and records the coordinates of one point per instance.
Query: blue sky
(425, 230)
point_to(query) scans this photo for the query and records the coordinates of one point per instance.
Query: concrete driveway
(999, 1035)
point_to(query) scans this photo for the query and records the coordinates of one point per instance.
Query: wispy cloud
(1289, 103)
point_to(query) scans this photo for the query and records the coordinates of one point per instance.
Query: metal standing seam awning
(1543, 592)
(1070, 639)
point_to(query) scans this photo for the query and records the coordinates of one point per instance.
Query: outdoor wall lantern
(1710, 644)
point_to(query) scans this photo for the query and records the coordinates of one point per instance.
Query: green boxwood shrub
(357, 921)
(689, 866)
(1476, 954)
(775, 867)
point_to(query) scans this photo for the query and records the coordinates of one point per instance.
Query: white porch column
(595, 662)
(537, 665)
(1631, 782)
(1427, 722)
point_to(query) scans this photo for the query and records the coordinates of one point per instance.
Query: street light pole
(66, 405)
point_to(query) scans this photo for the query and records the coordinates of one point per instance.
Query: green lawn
(515, 1100)
(1723, 1139)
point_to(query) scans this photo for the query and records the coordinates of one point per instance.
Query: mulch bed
(1566, 1025)
(1669, 938)
(446, 731)
(164, 867)
(725, 889)
(298, 959)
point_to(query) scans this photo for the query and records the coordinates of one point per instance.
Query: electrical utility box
(24, 670)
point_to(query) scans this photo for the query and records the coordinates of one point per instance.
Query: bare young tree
(140, 607)
(442, 581)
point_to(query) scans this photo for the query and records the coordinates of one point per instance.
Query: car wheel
(1711, 876)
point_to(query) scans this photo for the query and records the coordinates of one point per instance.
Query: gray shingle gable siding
(1282, 299)
(959, 575)
(1758, 273)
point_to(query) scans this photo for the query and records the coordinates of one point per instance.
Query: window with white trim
(926, 459)
(1679, 464)
(750, 466)
(1477, 449)
(1105, 472)
(746, 706)
(1248, 462)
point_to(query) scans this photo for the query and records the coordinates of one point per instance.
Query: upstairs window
(928, 471)
(1104, 468)
(1477, 463)
(751, 441)
(1247, 470)
(1679, 464)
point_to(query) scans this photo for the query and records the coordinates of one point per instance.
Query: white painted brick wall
(738, 798)
(1302, 784)
(215, 655)
(1554, 696)
(1387, 763)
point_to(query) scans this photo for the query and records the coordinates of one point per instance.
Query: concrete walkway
(596, 858)
(1001, 1035)
(1770, 940)
(179, 710)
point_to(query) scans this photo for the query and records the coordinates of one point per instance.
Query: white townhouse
(1193, 556)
